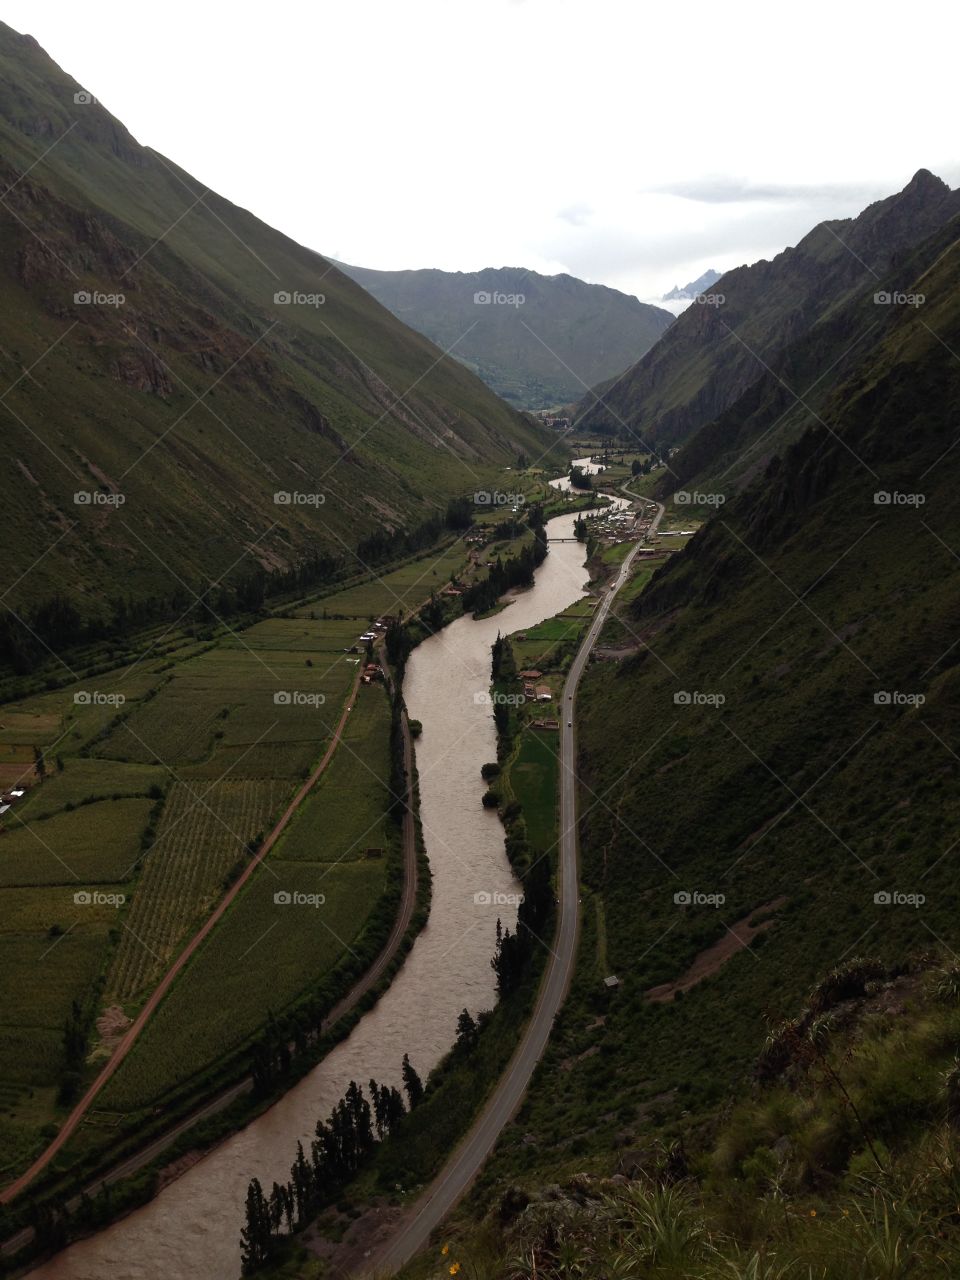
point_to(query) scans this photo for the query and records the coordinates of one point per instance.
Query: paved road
(415, 1228)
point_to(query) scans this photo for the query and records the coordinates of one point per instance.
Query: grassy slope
(845, 1168)
(340, 399)
(566, 335)
(799, 787)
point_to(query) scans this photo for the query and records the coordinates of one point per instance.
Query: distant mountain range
(690, 291)
(538, 341)
(180, 362)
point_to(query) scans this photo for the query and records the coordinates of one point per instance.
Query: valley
(478, 751)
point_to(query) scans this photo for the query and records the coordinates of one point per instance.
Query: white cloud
(632, 144)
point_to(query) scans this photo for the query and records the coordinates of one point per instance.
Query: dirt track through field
(128, 1041)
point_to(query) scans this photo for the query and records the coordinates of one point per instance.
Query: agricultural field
(330, 827)
(403, 589)
(549, 642)
(94, 844)
(534, 778)
(266, 952)
(156, 782)
(84, 779)
(204, 836)
(620, 629)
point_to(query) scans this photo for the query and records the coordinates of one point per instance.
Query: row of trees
(515, 571)
(341, 1145)
(56, 624)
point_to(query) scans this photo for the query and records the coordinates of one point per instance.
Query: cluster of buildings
(532, 691)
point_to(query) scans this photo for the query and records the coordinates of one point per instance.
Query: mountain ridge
(714, 353)
(203, 393)
(549, 339)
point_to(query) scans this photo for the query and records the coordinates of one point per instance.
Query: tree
(301, 1181)
(466, 1030)
(636, 467)
(255, 1238)
(509, 958)
(411, 1082)
(39, 764)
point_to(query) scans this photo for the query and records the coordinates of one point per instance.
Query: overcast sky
(624, 142)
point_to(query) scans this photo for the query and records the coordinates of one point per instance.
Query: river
(192, 1228)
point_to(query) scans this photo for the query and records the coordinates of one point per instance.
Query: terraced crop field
(203, 836)
(266, 952)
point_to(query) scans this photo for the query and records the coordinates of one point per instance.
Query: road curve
(133, 1033)
(413, 1231)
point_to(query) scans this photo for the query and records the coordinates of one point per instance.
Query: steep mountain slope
(536, 340)
(191, 388)
(715, 352)
(796, 387)
(776, 765)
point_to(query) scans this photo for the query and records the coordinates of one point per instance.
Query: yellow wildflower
(445, 1250)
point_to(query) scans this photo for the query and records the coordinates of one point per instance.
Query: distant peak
(924, 180)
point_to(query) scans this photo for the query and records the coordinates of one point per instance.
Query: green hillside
(769, 822)
(537, 340)
(203, 393)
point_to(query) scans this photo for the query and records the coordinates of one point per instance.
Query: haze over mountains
(180, 361)
(538, 341)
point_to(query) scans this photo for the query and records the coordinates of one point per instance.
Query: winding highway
(414, 1229)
